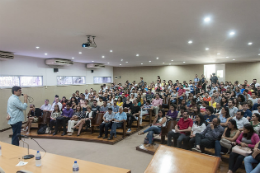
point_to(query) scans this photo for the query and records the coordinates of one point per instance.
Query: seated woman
(145, 109)
(172, 112)
(256, 122)
(119, 102)
(231, 133)
(127, 103)
(224, 116)
(64, 102)
(217, 110)
(174, 95)
(73, 106)
(78, 115)
(254, 158)
(73, 99)
(32, 116)
(198, 126)
(248, 138)
(55, 114)
(158, 122)
(203, 106)
(132, 97)
(110, 101)
(212, 102)
(100, 102)
(86, 120)
(139, 100)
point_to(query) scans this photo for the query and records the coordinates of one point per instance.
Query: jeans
(16, 130)
(219, 148)
(203, 142)
(178, 139)
(114, 127)
(130, 119)
(248, 165)
(152, 130)
(62, 122)
(235, 161)
(106, 126)
(191, 143)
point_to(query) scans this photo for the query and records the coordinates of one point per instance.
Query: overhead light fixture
(227, 57)
(137, 54)
(190, 42)
(169, 63)
(171, 60)
(107, 62)
(122, 60)
(233, 59)
(163, 62)
(232, 33)
(92, 61)
(250, 43)
(80, 52)
(157, 58)
(120, 64)
(206, 48)
(218, 53)
(72, 58)
(141, 63)
(103, 56)
(37, 47)
(259, 54)
(183, 62)
(46, 54)
(126, 62)
(207, 19)
(150, 61)
(111, 50)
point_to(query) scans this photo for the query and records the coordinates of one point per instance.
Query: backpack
(42, 129)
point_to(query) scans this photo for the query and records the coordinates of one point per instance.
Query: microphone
(29, 156)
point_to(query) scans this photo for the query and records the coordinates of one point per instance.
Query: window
(208, 70)
(23, 81)
(220, 73)
(101, 79)
(71, 80)
(9, 81)
(27, 81)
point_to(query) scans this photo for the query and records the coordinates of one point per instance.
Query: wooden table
(175, 160)
(50, 162)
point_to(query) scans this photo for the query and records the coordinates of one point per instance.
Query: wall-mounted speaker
(56, 70)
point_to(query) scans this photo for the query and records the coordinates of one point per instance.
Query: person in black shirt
(33, 115)
(134, 111)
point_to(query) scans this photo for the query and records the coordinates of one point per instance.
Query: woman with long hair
(63, 102)
(55, 114)
(127, 103)
(223, 102)
(224, 116)
(255, 122)
(119, 102)
(236, 103)
(73, 99)
(172, 112)
(231, 133)
(248, 138)
(132, 97)
(78, 115)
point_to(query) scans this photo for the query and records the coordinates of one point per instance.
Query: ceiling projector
(90, 44)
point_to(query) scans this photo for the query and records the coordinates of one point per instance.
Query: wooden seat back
(97, 120)
(165, 130)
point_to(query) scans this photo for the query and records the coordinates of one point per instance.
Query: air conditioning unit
(58, 62)
(95, 65)
(6, 55)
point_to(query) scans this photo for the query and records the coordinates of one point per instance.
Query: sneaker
(196, 149)
(136, 118)
(129, 130)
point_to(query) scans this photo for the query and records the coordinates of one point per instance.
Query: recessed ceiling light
(157, 58)
(103, 56)
(163, 62)
(46, 54)
(107, 62)
(37, 47)
(250, 43)
(207, 19)
(80, 52)
(120, 64)
(137, 54)
(218, 53)
(206, 48)
(232, 33)
(227, 57)
(111, 50)
(233, 59)
(126, 62)
(183, 62)
(92, 61)
(150, 61)
(171, 60)
(259, 54)
(190, 42)
(72, 58)
(122, 60)
(141, 63)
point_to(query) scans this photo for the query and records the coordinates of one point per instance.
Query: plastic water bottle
(75, 167)
(38, 161)
(0, 150)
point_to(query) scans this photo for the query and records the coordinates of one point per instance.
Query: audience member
(107, 123)
(54, 115)
(253, 159)
(256, 122)
(78, 115)
(46, 106)
(132, 115)
(209, 114)
(33, 115)
(56, 102)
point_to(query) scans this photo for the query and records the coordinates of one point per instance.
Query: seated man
(65, 117)
(208, 137)
(145, 109)
(156, 103)
(181, 133)
(115, 108)
(107, 123)
(33, 115)
(46, 107)
(240, 119)
(181, 93)
(95, 108)
(247, 112)
(119, 118)
(132, 115)
(208, 114)
(104, 108)
(149, 95)
(56, 102)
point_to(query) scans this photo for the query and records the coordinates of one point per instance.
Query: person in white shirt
(86, 94)
(187, 90)
(46, 107)
(198, 126)
(56, 103)
(253, 98)
(240, 119)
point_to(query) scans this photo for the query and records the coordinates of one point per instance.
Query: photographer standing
(15, 112)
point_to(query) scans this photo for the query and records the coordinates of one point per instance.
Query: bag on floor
(42, 129)
(225, 143)
(244, 151)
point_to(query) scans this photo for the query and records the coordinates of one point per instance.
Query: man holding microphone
(15, 112)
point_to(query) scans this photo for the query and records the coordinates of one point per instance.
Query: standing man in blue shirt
(15, 110)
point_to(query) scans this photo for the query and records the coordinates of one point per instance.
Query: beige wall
(39, 94)
(242, 71)
(185, 72)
